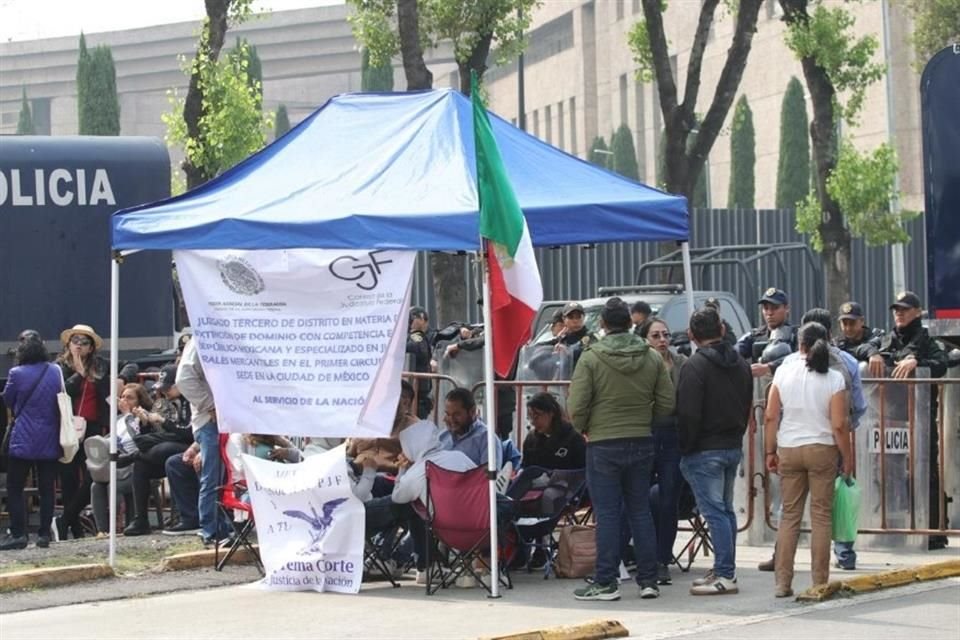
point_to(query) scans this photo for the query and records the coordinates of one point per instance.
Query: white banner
(310, 526)
(300, 342)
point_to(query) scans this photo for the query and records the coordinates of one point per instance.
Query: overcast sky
(32, 19)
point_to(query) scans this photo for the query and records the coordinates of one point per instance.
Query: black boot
(13, 542)
(137, 528)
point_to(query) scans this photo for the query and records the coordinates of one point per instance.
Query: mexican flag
(515, 289)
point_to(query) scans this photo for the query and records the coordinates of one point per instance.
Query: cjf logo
(366, 273)
(239, 276)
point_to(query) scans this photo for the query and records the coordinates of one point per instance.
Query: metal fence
(576, 272)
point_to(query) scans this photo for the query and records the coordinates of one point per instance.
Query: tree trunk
(408, 27)
(216, 31)
(823, 137)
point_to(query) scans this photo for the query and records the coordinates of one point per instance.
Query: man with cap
(574, 336)
(639, 312)
(856, 338)
(728, 335)
(776, 333)
(906, 347)
(420, 346)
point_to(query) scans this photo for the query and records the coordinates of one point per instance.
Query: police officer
(908, 346)
(574, 336)
(420, 347)
(856, 338)
(768, 345)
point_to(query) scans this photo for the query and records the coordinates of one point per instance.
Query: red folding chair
(459, 517)
(228, 504)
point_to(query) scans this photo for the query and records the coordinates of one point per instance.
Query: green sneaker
(598, 592)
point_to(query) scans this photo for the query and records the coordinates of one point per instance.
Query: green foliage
(936, 24)
(98, 106)
(828, 38)
(253, 65)
(462, 22)
(375, 78)
(282, 121)
(232, 126)
(862, 185)
(25, 121)
(793, 167)
(638, 39)
(743, 158)
(624, 153)
(599, 153)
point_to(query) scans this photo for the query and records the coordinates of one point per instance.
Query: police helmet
(774, 351)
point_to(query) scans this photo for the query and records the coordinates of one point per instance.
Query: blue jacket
(473, 443)
(36, 427)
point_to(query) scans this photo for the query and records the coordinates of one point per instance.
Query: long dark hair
(547, 403)
(813, 340)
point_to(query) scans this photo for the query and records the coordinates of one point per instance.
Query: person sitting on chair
(553, 443)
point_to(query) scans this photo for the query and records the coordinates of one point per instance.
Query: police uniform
(869, 343)
(749, 344)
(577, 340)
(418, 346)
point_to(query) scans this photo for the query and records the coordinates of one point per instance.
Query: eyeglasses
(81, 340)
(659, 335)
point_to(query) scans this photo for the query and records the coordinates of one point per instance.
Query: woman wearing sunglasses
(87, 380)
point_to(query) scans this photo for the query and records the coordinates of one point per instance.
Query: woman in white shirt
(805, 433)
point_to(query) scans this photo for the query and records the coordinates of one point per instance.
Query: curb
(202, 559)
(54, 576)
(596, 630)
(883, 580)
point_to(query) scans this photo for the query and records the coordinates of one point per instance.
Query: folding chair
(229, 504)
(378, 550)
(699, 534)
(545, 499)
(458, 516)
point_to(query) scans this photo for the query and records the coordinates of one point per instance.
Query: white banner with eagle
(303, 341)
(310, 526)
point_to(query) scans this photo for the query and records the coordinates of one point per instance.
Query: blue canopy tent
(394, 171)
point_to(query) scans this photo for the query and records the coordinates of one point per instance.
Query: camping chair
(545, 498)
(228, 504)
(699, 534)
(379, 549)
(459, 517)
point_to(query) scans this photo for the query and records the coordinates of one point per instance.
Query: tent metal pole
(114, 373)
(688, 283)
(489, 398)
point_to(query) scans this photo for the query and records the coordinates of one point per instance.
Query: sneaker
(13, 542)
(717, 586)
(649, 591)
(768, 565)
(503, 478)
(181, 529)
(782, 592)
(663, 574)
(43, 541)
(597, 592)
(709, 577)
(137, 529)
(225, 541)
(845, 567)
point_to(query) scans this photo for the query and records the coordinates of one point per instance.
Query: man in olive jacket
(618, 387)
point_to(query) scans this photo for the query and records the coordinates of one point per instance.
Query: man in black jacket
(714, 395)
(856, 338)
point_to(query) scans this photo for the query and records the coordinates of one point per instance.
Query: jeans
(618, 478)
(151, 467)
(212, 525)
(17, 471)
(184, 488)
(711, 474)
(100, 500)
(666, 445)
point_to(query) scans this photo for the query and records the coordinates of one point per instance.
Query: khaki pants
(808, 469)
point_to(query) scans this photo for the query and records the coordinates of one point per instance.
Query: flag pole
(489, 401)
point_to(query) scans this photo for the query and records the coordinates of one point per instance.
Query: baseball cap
(774, 296)
(572, 307)
(167, 377)
(906, 300)
(851, 311)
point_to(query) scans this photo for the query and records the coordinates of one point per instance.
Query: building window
(623, 100)
(561, 133)
(636, 6)
(619, 4)
(640, 132)
(536, 123)
(573, 126)
(547, 125)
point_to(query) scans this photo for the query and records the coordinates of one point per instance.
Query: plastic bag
(846, 509)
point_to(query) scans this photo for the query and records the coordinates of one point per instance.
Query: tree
(699, 198)
(98, 106)
(743, 158)
(624, 153)
(599, 153)
(254, 68)
(25, 121)
(852, 189)
(282, 121)
(405, 27)
(375, 78)
(686, 154)
(793, 166)
(218, 122)
(936, 24)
